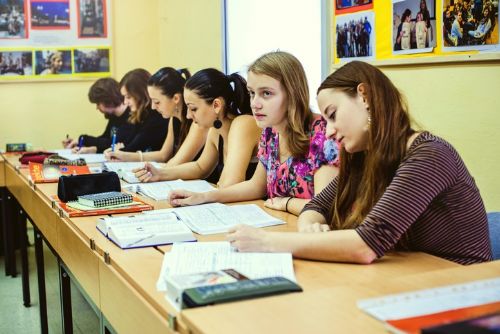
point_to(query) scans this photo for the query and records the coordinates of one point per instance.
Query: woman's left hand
(248, 239)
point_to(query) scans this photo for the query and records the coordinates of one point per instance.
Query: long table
(121, 284)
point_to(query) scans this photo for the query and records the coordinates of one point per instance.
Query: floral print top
(295, 176)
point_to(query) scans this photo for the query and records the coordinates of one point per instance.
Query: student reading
(184, 139)
(215, 104)
(296, 158)
(105, 93)
(396, 189)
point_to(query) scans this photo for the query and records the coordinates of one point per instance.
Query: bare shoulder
(244, 124)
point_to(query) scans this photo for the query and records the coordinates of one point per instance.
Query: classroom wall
(458, 102)
(42, 113)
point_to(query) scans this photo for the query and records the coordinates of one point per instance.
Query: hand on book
(115, 155)
(148, 173)
(185, 198)
(249, 239)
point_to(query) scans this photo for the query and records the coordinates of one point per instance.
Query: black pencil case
(72, 186)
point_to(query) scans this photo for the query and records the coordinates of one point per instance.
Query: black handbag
(72, 186)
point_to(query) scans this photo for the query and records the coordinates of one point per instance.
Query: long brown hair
(364, 176)
(288, 70)
(136, 84)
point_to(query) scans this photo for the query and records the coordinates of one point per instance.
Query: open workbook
(125, 169)
(218, 218)
(143, 230)
(161, 190)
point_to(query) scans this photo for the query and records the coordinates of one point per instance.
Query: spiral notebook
(100, 200)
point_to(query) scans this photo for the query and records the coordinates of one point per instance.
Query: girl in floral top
(296, 159)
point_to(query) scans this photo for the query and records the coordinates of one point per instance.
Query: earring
(369, 121)
(217, 123)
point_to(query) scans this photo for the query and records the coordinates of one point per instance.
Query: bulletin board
(392, 32)
(55, 39)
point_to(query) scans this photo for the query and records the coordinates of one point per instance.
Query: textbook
(204, 257)
(161, 190)
(485, 324)
(74, 209)
(41, 173)
(413, 312)
(111, 198)
(219, 218)
(144, 230)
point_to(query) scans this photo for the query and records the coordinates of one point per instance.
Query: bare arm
(255, 188)
(192, 144)
(335, 246)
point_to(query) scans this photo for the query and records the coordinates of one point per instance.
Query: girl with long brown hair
(397, 189)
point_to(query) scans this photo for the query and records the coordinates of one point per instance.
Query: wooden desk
(2, 172)
(323, 311)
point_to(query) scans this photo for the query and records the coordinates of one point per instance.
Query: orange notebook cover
(414, 325)
(41, 173)
(72, 212)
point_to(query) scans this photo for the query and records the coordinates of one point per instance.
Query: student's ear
(177, 98)
(217, 105)
(362, 92)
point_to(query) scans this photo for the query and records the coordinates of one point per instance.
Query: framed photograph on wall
(16, 63)
(355, 35)
(53, 62)
(50, 14)
(91, 18)
(351, 6)
(13, 19)
(91, 60)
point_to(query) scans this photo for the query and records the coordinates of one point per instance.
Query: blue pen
(113, 142)
(80, 143)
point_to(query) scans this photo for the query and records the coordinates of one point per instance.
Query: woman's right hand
(185, 198)
(69, 143)
(148, 173)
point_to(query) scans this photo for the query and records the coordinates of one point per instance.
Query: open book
(144, 230)
(192, 258)
(124, 169)
(161, 190)
(218, 218)
(413, 311)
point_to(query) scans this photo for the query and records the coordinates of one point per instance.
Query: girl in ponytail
(219, 103)
(184, 139)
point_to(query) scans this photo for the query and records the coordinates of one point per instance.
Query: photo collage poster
(54, 39)
(413, 28)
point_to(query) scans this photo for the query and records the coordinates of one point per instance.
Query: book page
(161, 190)
(89, 158)
(190, 258)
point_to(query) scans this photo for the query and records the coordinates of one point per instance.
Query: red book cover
(41, 173)
(137, 206)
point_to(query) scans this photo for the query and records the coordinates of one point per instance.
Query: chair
(494, 225)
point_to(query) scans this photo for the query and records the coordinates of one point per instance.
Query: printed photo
(91, 60)
(52, 62)
(468, 24)
(13, 19)
(351, 6)
(355, 35)
(50, 14)
(413, 26)
(16, 63)
(92, 18)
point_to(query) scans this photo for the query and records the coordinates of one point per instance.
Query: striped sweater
(432, 205)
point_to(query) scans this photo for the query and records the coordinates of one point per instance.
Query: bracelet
(140, 155)
(286, 205)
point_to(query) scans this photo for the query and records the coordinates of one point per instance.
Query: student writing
(184, 138)
(221, 104)
(296, 159)
(396, 189)
(105, 93)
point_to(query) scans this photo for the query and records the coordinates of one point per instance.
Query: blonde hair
(288, 70)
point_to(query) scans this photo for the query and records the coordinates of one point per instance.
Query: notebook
(111, 198)
(124, 169)
(219, 218)
(74, 209)
(161, 190)
(144, 231)
(41, 173)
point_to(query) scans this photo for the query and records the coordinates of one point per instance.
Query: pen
(113, 142)
(80, 143)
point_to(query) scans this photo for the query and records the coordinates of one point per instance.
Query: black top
(214, 177)
(148, 135)
(116, 124)
(177, 134)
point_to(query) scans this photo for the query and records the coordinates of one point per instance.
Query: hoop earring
(217, 123)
